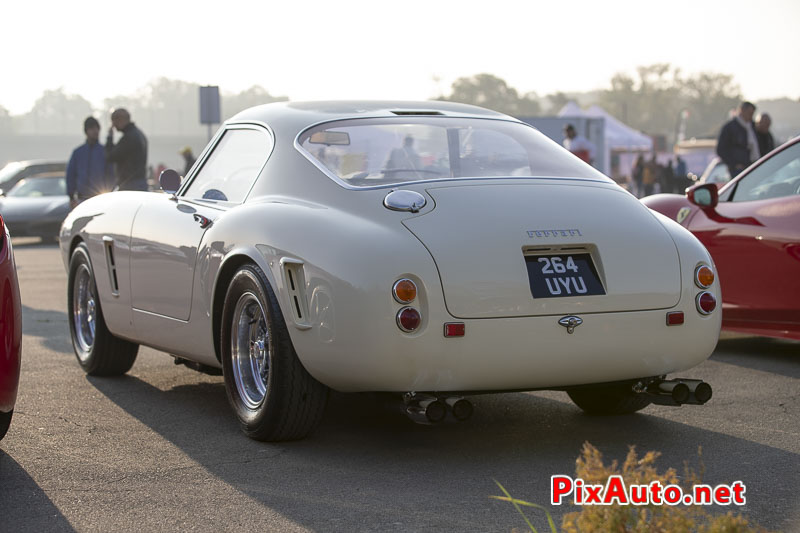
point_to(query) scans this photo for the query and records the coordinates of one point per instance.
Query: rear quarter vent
(294, 281)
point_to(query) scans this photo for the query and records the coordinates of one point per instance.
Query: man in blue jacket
(87, 174)
(737, 145)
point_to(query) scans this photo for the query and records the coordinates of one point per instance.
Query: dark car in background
(18, 170)
(10, 331)
(36, 206)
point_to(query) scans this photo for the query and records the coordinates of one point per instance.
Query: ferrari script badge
(571, 322)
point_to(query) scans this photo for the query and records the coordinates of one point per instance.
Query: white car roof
(294, 117)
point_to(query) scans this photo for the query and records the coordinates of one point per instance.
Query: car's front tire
(99, 352)
(608, 400)
(272, 394)
(5, 422)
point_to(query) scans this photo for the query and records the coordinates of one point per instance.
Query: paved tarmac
(159, 449)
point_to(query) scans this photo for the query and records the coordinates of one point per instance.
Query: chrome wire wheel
(84, 311)
(250, 352)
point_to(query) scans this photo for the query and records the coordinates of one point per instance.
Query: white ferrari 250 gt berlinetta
(429, 249)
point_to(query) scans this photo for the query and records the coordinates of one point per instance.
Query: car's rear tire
(610, 400)
(99, 352)
(272, 394)
(5, 422)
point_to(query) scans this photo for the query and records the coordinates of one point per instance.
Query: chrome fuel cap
(404, 201)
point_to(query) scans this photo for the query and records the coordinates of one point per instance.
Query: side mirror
(170, 181)
(704, 195)
(2, 192)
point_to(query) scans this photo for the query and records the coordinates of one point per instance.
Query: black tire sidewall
(250, 279)
(5, 422)
(80, 256)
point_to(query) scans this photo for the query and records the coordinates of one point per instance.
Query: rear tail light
(706, 303)
(408, 319)
(404, 291)
(703, 276)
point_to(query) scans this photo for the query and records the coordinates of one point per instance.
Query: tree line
(658, 99)
(164, 106)
(654, 100)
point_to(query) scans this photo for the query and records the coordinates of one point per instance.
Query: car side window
(232, 167)
(777, 177)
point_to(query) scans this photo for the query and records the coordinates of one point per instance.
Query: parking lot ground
(159, 449)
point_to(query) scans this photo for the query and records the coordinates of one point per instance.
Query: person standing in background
(737, 145)
(578, 144)
(638, 175)
(668, 178)
(766, 142)
(129, 155)
(188, 158)
(87, 172)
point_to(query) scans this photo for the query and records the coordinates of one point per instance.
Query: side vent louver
(108, 244)
(295, 281)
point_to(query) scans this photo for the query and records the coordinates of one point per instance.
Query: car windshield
(10, 170)
(37, 187)
(719, 174)
(381, 152)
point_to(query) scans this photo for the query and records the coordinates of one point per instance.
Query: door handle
(204, 221)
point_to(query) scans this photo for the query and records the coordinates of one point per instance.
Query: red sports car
(10, 330)
(751, 226)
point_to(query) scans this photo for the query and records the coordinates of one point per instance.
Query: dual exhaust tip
(677, 391)
(426, 409)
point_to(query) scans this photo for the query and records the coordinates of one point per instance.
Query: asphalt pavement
(159, 449)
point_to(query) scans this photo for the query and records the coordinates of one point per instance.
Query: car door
(167, 231)
(754, 237)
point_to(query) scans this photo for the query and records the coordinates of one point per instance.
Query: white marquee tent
(621, 139)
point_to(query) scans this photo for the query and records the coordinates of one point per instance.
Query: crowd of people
(120, 165)
(650, 176)
(742, 140)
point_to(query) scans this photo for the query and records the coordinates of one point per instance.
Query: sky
(411, 49)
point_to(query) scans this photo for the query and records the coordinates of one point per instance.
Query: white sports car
(429, 249)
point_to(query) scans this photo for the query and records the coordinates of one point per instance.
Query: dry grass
(636, 519)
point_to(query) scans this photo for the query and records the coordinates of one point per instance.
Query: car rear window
(381, 152)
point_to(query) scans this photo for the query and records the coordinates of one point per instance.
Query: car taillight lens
(408, 319)
(404, 291)
(455, 329)
(675, 318)
(704, 276)
(706, 303)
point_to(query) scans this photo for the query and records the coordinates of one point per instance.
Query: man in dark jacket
(737, 145)
(129, 154)
(766, 142)
(87, 173)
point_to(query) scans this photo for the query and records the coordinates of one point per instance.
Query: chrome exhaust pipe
(460, 407)
(424, 409)
(700, 391)
(676, 391)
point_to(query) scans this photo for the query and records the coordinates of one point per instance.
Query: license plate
(556, 276)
